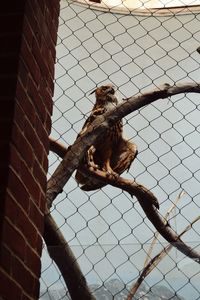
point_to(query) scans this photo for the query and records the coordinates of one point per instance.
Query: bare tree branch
(62, 255)
(98, 128)
(57, 147)
(155, 261)
(165, 221)
(148, 203)
(71, 159)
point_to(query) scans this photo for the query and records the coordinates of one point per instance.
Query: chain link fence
(106, 229)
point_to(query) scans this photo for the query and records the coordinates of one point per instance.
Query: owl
(113, 154)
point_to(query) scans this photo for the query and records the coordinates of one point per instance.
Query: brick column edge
(28, 37)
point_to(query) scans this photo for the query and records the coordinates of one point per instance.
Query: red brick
(42, 133)
(36, 216)
(23, 73)
(40, 57)
(36, 49)
(39, 152)
(25, 103)
(29, 138)
(19, 116)
(30, 15)
(43, 202)
(28, 33)
(30, 134)
(46, 95)
(22, 145)
(23, 275)
(26, 297)
(45, 163)
(12, 209)
(8, 287)
(39, 175)
(42, 6)
(29, 60)
(30, 182)
(27, 229)
(17, 136)
(36, 289)
(14, 240)
(5, 258)
(53, 49)
(54, 6)
(45, 47)
(27, 152)
(35, 97)
(33, 262)
(38, 246)
(46, 144)
(15, 159)
(52, 23)
(54, 31)
(18, 191)
(48, 123)
(37, 12)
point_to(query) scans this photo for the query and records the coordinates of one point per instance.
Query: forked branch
(148, 203)
(98, 128)
(71, 159)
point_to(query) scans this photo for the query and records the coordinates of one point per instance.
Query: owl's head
(105, 94)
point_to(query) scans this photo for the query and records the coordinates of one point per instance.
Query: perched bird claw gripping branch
(114, 154)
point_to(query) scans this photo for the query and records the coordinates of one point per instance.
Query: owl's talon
(112, 175)
(92, 166)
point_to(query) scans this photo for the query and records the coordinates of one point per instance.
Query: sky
(107, 229)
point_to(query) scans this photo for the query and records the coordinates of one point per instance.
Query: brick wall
(28, 34)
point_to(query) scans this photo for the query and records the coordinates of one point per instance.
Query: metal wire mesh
(106, 229)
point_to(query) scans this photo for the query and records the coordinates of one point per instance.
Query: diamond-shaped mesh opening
(106, 229)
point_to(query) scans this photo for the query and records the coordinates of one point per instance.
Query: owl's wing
(90, 119)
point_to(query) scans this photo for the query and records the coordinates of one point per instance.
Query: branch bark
(148, 203)
(71, 159)
(62, 255)
(98, 128)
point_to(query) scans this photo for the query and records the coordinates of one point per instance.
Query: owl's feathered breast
(114, 133)
(105, 152)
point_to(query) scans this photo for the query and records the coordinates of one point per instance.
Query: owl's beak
(111, 90)
(92, 92)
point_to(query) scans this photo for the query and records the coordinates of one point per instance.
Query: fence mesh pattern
(107, 229)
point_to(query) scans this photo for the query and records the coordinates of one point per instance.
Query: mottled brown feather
(114, 154)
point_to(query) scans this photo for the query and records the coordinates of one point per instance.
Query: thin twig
(148, 257)
(154, 262)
